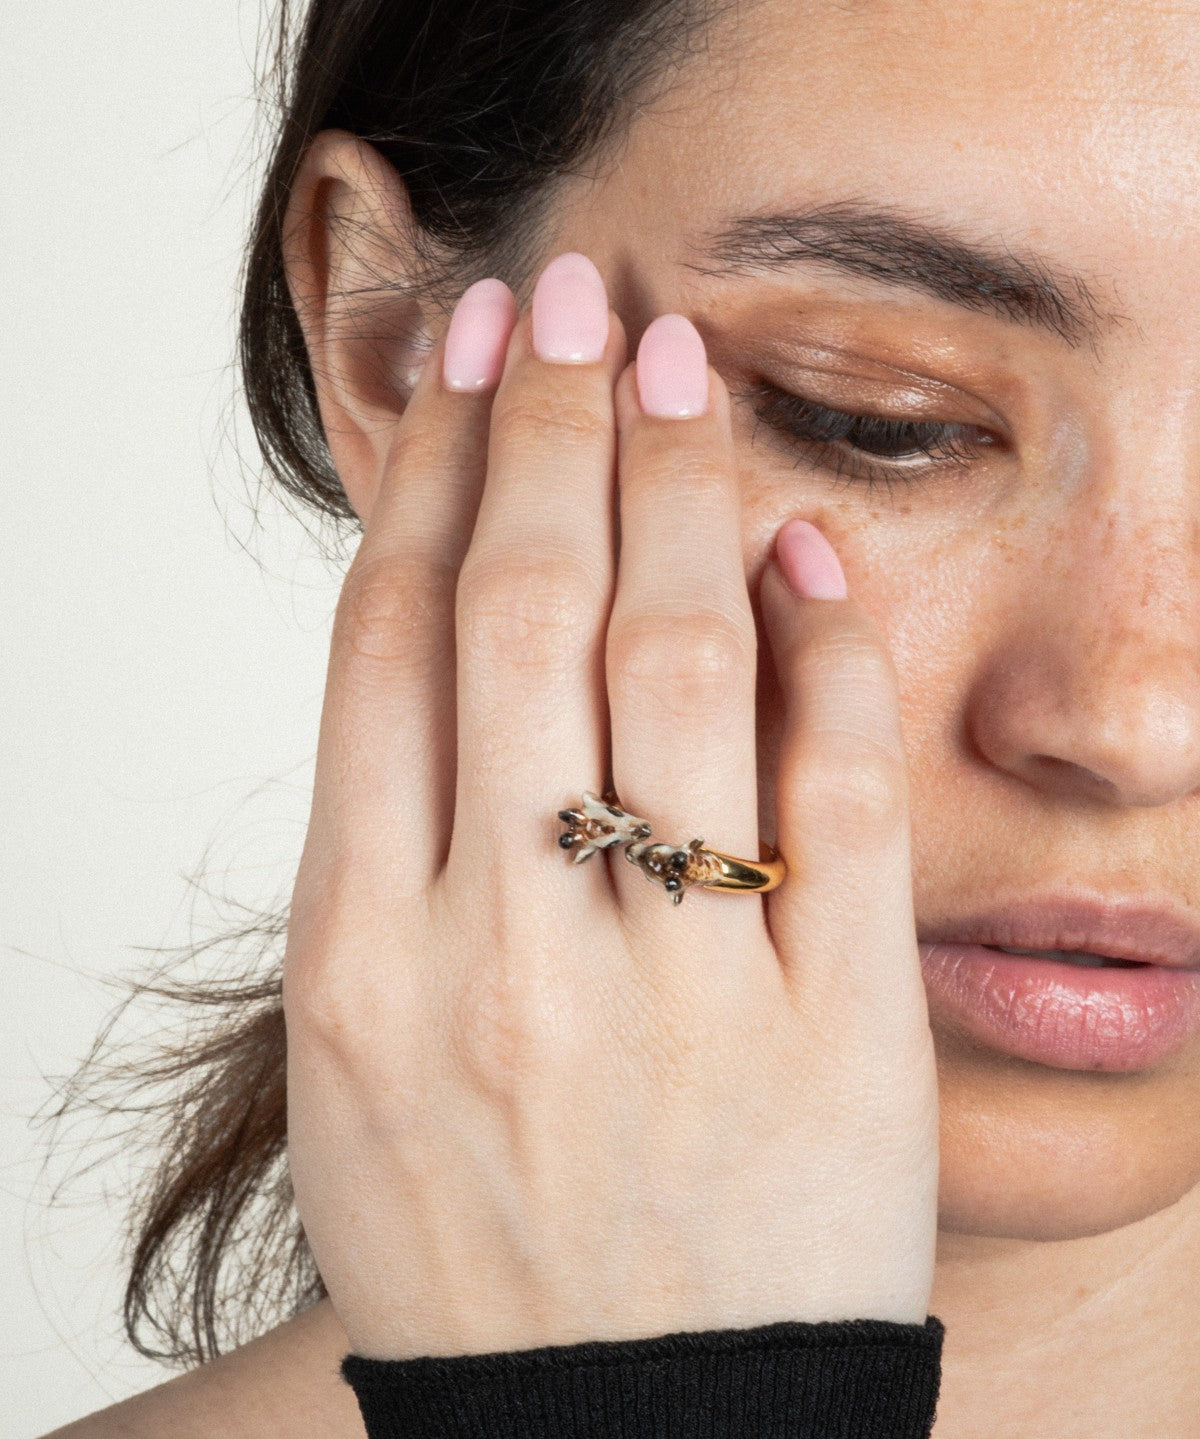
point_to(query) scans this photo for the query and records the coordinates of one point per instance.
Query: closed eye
(841, 442)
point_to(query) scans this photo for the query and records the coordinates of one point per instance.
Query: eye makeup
(867, 399)
(865, 448)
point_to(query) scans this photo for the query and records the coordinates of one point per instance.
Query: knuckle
(511, 1031)
(541, 610)
(338, 997)
(854, 656)
(857, 786)
(544, 422)
(354, 1018)
(699, 479)
(491, 1051)
(420, 448)
(318, 1008)
(692, 664)
(389, 613)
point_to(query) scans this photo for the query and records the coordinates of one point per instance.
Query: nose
(1093, 690)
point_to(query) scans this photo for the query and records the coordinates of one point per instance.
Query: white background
(163, 656)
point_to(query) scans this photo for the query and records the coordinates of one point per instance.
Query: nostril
(1053, 762)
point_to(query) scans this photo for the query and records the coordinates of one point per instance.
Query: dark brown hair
(481, 106)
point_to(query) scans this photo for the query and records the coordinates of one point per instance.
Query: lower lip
(1061, 1014)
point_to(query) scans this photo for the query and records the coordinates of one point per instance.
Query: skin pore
(1040, 593)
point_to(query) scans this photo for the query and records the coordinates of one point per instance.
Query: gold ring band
(599, 822)
(743, 874)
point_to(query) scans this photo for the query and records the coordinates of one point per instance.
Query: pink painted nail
(570, 311)
(809, 563)
(477, 340)
(672, 369)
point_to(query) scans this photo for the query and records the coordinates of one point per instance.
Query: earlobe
(349, 262)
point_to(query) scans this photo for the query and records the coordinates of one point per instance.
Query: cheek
(941, 595)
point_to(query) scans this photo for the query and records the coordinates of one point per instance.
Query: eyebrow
(900, 247)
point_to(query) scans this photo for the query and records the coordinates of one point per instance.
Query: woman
(722, 276)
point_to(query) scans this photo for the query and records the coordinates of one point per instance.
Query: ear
(350, 261)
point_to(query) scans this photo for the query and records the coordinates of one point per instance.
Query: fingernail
(570, 311)
(809, 563)
(672, 369)
(477, 340)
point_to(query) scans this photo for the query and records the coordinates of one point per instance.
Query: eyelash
(803, 421)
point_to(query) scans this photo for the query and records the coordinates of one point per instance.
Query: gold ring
(600, 822)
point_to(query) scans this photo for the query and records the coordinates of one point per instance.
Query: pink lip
(1116, 1020)
(1122, 928)
(1061, 1015)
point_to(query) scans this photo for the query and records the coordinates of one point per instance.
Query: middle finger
(681, 656)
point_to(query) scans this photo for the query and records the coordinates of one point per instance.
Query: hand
(535, 1102)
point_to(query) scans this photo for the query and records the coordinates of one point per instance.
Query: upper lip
(1119, 927)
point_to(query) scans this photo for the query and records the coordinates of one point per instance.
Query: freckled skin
(1042, 605)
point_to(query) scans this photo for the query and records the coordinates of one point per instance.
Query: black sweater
(856, 1379)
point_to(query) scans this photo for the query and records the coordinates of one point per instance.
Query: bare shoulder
(284, 1385)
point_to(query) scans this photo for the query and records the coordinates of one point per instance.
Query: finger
(843, 918)
(681, 639)
(533, 599)
(384, 782)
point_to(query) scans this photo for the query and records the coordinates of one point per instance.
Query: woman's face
(1040, 590)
